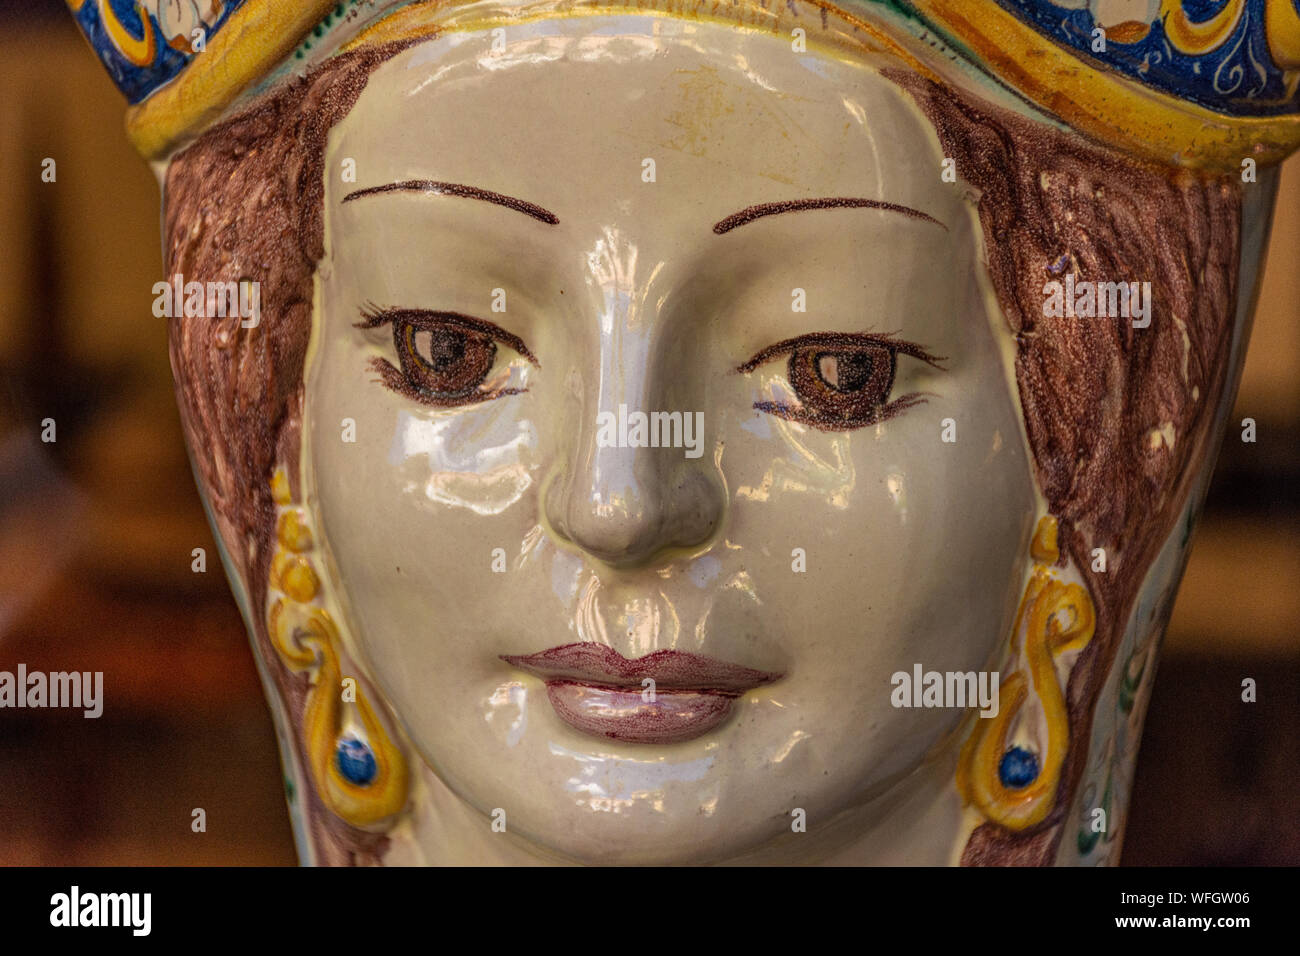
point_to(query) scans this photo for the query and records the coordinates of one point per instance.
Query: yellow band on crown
(1113, 109)
(955, 39)
(256, 38)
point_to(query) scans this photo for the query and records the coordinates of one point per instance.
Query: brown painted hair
(1094, 391)
(245, 202)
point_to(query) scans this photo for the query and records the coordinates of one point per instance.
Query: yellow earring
(1013, 785)
(358, 772)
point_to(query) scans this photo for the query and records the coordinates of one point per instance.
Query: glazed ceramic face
(913, 546)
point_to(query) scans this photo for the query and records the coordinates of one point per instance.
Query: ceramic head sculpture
(681, 432)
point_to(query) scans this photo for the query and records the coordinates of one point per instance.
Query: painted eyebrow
(748, 215)
(457, 189)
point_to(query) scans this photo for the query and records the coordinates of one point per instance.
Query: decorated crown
(1201, 83)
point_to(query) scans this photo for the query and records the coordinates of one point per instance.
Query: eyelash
(457, 337)
(843, 409)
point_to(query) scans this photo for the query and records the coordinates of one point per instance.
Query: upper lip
(601, 665)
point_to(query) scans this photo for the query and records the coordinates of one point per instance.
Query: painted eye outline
(820, 344)
(404, 377)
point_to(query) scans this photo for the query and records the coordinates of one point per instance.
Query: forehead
(571, 114)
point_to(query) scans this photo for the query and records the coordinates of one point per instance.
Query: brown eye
(842, 380)
(444, 358)
(843, 385)
(444, 362)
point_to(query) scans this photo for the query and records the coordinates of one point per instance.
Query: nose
(626, 496)
(633, 506)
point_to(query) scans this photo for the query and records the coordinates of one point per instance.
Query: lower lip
(625, 714)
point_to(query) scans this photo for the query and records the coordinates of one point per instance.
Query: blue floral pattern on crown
(1219, 54)
(146, 43)
(1214, 53)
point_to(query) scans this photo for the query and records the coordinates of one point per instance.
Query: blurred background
(97, 530)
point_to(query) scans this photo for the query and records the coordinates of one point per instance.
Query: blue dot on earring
(356, 761)
(1018, 768)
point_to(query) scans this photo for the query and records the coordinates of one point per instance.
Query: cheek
(417, 507)
(913, 546)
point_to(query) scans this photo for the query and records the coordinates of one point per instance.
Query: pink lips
(598, 691)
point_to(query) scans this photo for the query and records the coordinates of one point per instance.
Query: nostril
(696, 510)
